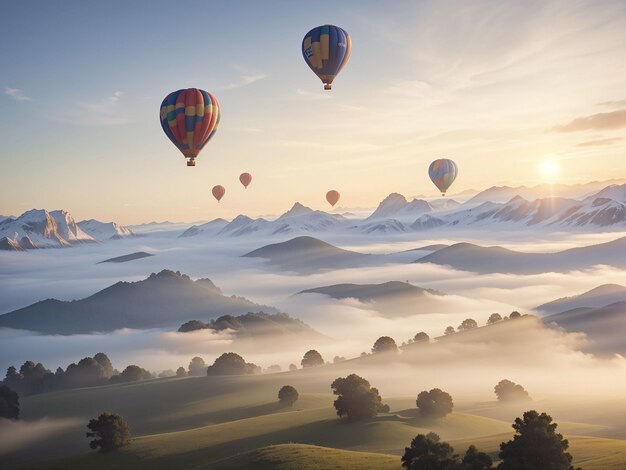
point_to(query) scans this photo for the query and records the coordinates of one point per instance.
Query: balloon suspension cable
(191, 162)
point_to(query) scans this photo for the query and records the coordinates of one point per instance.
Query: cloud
(599, 121)
(17, 94)
(613, 104)
(245, 80)
(593, 143)
(102, 112)
(308, 95)
(410, 88)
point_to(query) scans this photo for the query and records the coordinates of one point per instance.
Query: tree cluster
(434, 403)
(356, 398)
(231, 363)
(508, 391)
(9, 403)
(110, 431)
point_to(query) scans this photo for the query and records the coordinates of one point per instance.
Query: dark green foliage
(9, 403)
(312, 358)
(110, 431)
(181, 372)
(510, 391)
(231, 364)
(467, 324)
(535, 446)
(474, 460)
(356, 398)
(384, 344)
(197, 367)
(449, 331)
(494, 318)
(287, 395)
(428, 453)
(132, 373)
(434, 404)
(421, 336)
(515, 315)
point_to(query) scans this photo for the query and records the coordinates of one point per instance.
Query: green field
(236, 422)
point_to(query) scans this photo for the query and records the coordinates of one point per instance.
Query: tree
(356, 398)
(9, 403)
(384, 344)
(421, 336)
(197, 367)
(167, 373)
(287, 395)
(514, 315)
(494, 318)
(105, 362)
(535, 446)
(312, 358)
(231, 363)
(132, 373)
(110, 431)
(434, 404)
(192, 325)
(338, 359)
(428, 453)
(449, 331)
(467, 324)
(181, 372)
(474, 460)
(508, 391)
(273, 368)
(293, 367)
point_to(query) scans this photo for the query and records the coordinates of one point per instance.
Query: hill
(598, 297)
(495, 259)
(307, 254)
(165, 299)
(105, 230)
(126, 258)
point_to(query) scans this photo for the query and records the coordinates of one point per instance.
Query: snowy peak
(296, 211)
(105, 230)
(396, 206)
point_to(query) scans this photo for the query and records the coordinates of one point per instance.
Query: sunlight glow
(549, 170)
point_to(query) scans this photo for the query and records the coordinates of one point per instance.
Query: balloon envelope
(327, 49)
(246, 179)
(442, 173)
(189, 117)
(218, 192)
(332, 197)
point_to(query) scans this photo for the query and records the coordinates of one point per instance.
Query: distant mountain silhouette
(495, 259)
(598, 297)
(126, 258)
(306, 254)
(165, 299)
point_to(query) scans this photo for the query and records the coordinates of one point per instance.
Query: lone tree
(287, 395)
(9, 403)
(312, 358)
(467, 324)
(508, 391)
(449, 331)
(293, 367)
(475, 460)
(494, 318)
(110, 431)
(356, 398)
(421, 336)
(428, 453)
(434, 404)
(197, 367)
(384, 344)
(231, 363)
(515, 314)
(181, 372)
(535, 445)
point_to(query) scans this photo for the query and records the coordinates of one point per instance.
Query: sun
(549, 170)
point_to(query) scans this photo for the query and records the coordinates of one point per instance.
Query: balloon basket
(191, 162)
(328, 86)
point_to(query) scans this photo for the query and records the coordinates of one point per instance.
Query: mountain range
(598, 297)
(164, 299)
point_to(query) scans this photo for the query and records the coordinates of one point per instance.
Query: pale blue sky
(487, 83)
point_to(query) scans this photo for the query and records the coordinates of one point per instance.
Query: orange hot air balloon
(332, 197)
(218, 192)
(246, 179)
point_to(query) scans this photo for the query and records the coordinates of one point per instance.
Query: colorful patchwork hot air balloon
(218, 192)
(246, 179)
(442, 173)
(327, 50)
(190, 118)
(332, 197)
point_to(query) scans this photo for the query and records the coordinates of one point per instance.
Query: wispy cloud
(17, 94)
(102, 112)
(308, 95)
(593, 143)
(245, 81)
(410, 88)
(599, 121)
(613, 104)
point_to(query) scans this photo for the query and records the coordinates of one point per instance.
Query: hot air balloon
(326, 49)
(190, 118)
(332, 197)
(442, 173)
(218, 192)
(246, 179)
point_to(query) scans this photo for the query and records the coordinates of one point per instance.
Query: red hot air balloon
(218, 192)
(332, 197)
(246, 179)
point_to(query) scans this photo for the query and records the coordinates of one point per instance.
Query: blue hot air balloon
(442, 173)
(326, 49)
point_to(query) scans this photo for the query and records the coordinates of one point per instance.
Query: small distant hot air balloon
(218, 192)
(332, 197)
(189, 117)
(326, 49)
(246, 179)
(442, 173)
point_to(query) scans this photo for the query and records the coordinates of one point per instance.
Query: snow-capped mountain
(210, 228)
(105, 230)
(395, 206)
(42, 229)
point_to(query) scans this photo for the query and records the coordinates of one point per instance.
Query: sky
(517, 93)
